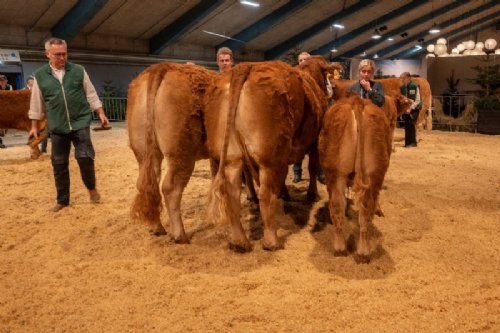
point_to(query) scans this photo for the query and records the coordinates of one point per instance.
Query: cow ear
(332, 67)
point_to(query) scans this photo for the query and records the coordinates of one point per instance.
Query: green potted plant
(487, 102)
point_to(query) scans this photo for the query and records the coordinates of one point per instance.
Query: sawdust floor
(89, 268)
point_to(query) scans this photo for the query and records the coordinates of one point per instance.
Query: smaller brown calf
(356, 143)
(14, 107)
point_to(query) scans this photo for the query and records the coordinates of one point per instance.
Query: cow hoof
(362, 258)
(181, 240)
(240, 248)
(274, 247)
(158, 230)
(340, 253)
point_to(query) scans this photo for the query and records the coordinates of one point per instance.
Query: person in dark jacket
(3, 83)
(366, 87)
(3, 86)
(62, 92)
(411, 90)
(297, 167)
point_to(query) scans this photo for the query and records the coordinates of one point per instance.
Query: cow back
(14, 107)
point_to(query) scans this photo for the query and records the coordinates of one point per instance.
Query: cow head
(320, 71)
(403, 104)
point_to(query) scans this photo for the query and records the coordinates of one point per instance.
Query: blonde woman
(366, 87)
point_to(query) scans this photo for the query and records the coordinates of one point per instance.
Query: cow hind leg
(239, 241)
(337, 206)
(176, 178)
(147, 203)
(366, 211)
(270, 186)
(312, 191)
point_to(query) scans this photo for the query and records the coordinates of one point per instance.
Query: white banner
(9, 55)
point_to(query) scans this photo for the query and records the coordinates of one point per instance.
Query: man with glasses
(62, 92)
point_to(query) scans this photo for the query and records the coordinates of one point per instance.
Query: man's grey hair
(224, 50)
(54, 41)
(305, 53)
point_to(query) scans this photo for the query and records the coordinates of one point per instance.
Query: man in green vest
(62, 92)
(411, 90)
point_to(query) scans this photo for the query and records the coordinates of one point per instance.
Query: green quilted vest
(66, 105)
(410, 91)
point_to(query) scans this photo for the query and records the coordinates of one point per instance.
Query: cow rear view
(164, 121)
(268, 117)
(355, 144)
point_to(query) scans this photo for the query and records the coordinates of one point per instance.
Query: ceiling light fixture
(375, 56)
(334, 50)
(250, 3)
(390, 39)
(338, 26)
(434, 29)
(222, 36)
(376, 34)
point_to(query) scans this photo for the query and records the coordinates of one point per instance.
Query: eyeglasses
(59, 54)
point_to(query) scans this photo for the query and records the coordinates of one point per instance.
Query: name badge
(412, 92)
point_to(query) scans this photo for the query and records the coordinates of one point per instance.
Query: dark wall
(438, 69)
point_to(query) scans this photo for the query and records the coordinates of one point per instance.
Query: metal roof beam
(429, 16)
(183, 24)
(262, 25)
(324, 49)
(283, 47)
(76, 19)
(413, 51)
(443, 25)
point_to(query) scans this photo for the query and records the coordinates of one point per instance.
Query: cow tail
(219, 207)
(361, 181)
(428, 116)
(147, 203)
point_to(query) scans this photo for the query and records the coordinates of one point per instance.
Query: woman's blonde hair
(367, 63)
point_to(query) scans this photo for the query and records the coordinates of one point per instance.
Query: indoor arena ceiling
(192, 29)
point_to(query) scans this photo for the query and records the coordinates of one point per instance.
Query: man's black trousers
(84, 154)
(410, 120)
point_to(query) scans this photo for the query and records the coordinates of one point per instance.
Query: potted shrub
(487, 102)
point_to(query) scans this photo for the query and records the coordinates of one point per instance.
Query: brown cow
(14, 107)
(164, 120)
(267, 118)
(392, 88)
(355, 147)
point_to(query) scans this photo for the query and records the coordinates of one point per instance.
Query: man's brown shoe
(95, 197)
(57, 207)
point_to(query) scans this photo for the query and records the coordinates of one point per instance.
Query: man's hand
(34, 130)
(33, 133)
(102, 117)
(365, 84)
